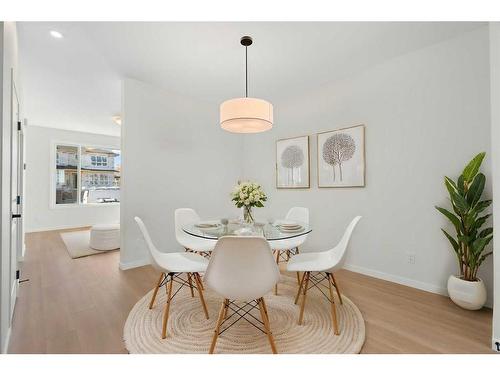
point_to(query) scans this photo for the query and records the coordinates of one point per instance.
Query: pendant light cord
(246, 72)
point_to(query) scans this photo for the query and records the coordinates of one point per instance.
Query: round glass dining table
(271, 232)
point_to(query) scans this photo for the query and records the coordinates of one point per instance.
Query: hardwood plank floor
(80, 306)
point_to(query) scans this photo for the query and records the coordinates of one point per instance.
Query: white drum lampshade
(246, 115)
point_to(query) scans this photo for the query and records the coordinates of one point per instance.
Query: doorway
(16, 194)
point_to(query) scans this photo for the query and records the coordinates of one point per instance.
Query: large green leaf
(481, 206)
(450, 185)
(460, 185)
(476, 189)
(486, 232)
(454, 219)
(478, 223)
(466, 239)
(483, 257)
(460, 202)
(472, 168)
(479, 244)
(452, 241)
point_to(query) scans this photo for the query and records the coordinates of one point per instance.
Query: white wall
(39, 213)
(174, 155)
(495, 148)
(426, 114)
(8, 284)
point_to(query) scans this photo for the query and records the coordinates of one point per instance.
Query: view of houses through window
(87, 174)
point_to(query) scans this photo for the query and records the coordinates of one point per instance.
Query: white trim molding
(134, 264)
(397, 279)
(58, 227)
(5, 348)
(436, 289)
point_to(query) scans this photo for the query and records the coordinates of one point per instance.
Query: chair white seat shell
(300, 215)
(325, 261)
(105, 237)
(242, 269)
(320, 266)
(315, 262)
(186, 216)
(170, 266)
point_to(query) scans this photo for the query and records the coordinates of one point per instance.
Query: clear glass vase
(247, 214)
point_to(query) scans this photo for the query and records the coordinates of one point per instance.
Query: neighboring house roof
(88, 170)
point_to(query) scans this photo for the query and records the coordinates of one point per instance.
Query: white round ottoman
(105, 237)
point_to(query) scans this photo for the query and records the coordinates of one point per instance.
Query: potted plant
(248, 195)
(470, 241)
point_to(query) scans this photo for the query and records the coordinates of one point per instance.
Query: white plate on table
(207, 225)
(294, 229)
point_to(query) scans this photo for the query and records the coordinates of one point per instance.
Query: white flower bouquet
(247, 195)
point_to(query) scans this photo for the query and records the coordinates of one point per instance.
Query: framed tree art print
(292, 163)
(341, 157)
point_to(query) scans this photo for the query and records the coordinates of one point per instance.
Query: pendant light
(246, 115)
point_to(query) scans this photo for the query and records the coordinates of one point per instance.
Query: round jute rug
(188, 330)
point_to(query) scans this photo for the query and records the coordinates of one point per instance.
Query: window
(99, 160)
(87, 175)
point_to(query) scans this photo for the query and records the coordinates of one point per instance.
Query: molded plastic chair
(242, 269)
(186, 216)
(326, 262)
(291, 246)
(171, 266)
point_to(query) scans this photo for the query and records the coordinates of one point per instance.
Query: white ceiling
(74, 83)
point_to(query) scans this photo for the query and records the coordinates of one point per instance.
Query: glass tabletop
(213, 230)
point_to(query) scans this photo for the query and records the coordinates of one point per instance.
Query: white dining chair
(186, 216)
(242, 270)
(283, 249)
(320, 266)
(171, 266)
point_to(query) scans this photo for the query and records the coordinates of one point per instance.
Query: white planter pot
(470, 295)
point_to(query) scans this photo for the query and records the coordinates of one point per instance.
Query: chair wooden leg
(151, 304)
(167, 306)
(336, 288)
(197, 275)
(301, 282)
(265, 308)
(217, 326)
(277, 262)
(332, 305)
(265, 320)
(190, 281)
(200, 292)
(298, 273)
(306, 283)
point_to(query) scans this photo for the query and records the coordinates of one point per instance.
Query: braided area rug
(188, 330)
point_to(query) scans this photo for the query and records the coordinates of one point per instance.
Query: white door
(16, 169)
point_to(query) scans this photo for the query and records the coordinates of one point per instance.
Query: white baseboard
(5, 349)
(58, 227)
(405, 281)
(133, 264)
(397, 279)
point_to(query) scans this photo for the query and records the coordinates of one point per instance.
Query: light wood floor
(80, 306)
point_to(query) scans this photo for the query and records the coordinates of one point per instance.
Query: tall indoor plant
(470, 241)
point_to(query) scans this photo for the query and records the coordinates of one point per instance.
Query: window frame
(53, 175)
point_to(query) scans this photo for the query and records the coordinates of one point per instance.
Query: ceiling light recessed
(56, 34)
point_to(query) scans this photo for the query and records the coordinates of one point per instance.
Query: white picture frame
(341, 157)
(293, 163)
